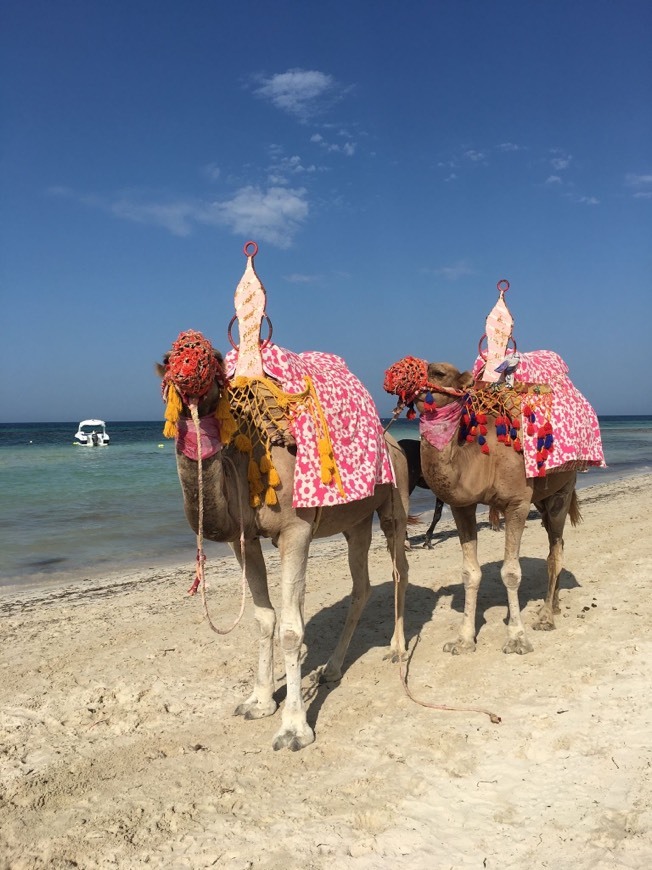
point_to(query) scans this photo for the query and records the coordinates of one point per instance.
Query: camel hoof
(543, 625)
(520, 645)
(294, 740)
(459, 647)
(254, 709)
(327, 675)
(395, 657)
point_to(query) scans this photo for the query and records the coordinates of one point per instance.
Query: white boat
(92, 433)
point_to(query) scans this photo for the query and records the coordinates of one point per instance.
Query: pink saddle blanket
(354, 426)
(575, 427)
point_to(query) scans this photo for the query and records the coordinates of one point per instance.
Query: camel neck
(439, 425)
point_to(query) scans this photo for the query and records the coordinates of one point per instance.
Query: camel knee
(266, 620)
(471, 577)
(290, 638)
(511, 576)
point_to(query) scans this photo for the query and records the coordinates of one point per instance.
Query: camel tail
(574, 513)
(494, 519)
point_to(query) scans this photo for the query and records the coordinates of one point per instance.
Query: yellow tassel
(270, 496)
(255, 500)
(324, 447)
(243, 444)
(253, 472)
(228, 426)
(272, 477)
(172, 412)
(265, 463)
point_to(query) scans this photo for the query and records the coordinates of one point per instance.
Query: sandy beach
(120, 748)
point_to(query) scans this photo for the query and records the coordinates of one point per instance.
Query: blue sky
(392, 160)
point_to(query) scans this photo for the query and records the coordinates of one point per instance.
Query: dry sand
(120, 748)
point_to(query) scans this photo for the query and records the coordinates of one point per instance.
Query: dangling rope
(200, 579)
(402, 674)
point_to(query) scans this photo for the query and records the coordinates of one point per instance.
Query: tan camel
(463, 476)
(227, 513)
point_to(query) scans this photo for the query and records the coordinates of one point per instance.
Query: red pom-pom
(482, 429)
(470, 438)
(481, 418)
(485, 448)
(517, 445)
(527, 410)
(516, 423)
(411, 414)
(530, 429)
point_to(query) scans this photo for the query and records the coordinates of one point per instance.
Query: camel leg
(439, 507)
(471, 575)
(515, 517)
(260, 703)
(554, 511)
(294, 543)
(358, 540)
(393, 519)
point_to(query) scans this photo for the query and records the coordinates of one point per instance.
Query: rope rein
(402, 672)
(200, 579)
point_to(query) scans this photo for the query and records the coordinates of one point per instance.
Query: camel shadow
(374, 630)
(492, 593)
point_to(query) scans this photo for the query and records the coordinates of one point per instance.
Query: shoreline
(219, 552)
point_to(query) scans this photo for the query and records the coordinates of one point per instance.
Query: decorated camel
(512, 433)
(273, 444)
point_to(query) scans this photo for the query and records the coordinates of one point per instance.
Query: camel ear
(159, 368)
(465, 380)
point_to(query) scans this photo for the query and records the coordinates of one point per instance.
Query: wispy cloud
(299, 278)
(347, 148)
(455, 272)
(212, 171)
(553, 179)
(560, 160)
(475, 156)
(282, 168)
(299, 92)
(507, 147)
(273, 214)
(584, 200)
(641, 185)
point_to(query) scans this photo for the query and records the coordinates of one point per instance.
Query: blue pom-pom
(481, 440)
(429, 398)
(548, 441)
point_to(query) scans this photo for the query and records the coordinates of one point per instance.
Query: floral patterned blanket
(354, 427)
(577, 440)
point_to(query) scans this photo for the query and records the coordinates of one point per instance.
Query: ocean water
(74, 511)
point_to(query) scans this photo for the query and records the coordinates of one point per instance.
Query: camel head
(192, 373)
(417, 382)
(443, 384)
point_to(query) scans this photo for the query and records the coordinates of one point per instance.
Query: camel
(412, 449)
(463, 476)
(228, 516)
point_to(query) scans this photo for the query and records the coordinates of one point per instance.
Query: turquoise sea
(72, 511)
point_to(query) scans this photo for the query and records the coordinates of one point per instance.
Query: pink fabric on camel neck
(439, 425)
(209, 431)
